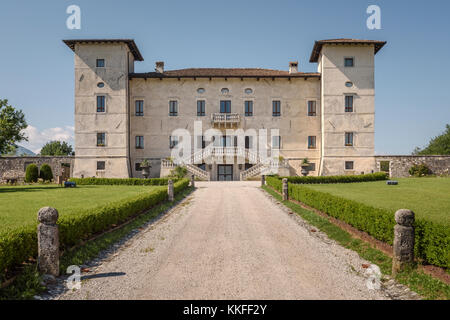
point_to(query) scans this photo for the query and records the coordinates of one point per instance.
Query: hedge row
(20, 244)
(121, 181)
(432, 239)
(338, 179)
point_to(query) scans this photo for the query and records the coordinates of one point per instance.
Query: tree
(56, 148)
(12, 122)
(439, 145)
(46, 173)
(31, 173)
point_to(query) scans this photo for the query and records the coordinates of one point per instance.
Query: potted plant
(304, 165)
(145, 166)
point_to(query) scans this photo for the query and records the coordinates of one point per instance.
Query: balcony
(225, 118)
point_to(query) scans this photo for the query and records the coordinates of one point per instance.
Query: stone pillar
(170, 190)
(192, 181)
(263, 180)
(48, 241)
(285, 189)
(403, 240)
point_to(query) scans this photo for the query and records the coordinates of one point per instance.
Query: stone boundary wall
(399, 165)
(15, 166)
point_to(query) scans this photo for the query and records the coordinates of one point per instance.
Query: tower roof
(318, 45)
(130, 42)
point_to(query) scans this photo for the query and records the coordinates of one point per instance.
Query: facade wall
(294, 124)
(399, 165)
(335, 121)
(16, 166)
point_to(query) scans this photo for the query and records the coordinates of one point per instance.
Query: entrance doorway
(225, 172)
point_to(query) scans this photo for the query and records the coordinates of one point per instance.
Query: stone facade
(114, 79)
(399, 165)
(16, 166)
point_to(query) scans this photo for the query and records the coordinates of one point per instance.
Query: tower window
(349, 139)
(349, 62)
(101, 103)
(100, 63)
(101, 139)
(349, 103)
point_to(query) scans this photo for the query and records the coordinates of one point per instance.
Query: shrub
(20, 244)
(46, 172)
(179, 172)
(338, 179)
(419, 170)
(31, 173)
(119, 181)
(432, 242)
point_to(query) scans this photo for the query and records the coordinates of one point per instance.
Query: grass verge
(425, 285)
(28, 283)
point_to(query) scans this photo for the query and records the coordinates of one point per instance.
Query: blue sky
(412, 83)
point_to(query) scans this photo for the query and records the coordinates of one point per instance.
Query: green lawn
(19, 204)
(429, 198)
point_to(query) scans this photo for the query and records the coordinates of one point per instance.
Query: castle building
(123, 117)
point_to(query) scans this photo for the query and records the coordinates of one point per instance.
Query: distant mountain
(21, 151)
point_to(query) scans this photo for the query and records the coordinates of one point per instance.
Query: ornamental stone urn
(145, 166)
(305, 164)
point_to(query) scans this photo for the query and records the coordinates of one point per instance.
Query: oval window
(248, 91)
(100, 84)
(225, 91)
(201, 90)
(349, 84)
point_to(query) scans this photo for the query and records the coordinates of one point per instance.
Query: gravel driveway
(228, 240)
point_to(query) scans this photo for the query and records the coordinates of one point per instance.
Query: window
(248, 142)
(100, 165)
(173, 108)
(101, 103)
(312, 166)
(226, 141)
(276, 108)
(349, 138)
(225, 106)
(349, 84)
(201, 90)
(348, 165)
(349, 103)
(139, 142)
(276, 142)
(139, 108)
(311, 108)
(249, 91)
(225, 91)
(100, 84)
(311, 142)
(101, 139)
(349, 62)
(248, 108)
(200, 108)
(173, 141)
(100, 63)
(137, 166)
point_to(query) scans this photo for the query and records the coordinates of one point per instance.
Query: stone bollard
(48, 241)
(285, 189)
(263, 180)
(170, 190)
(403, 240)
(192, 181)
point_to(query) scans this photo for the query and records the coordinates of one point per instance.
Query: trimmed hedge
(120, 181)
(432, 240)
(31, 173)
(20, 244)
(46, 173)
(338, 179)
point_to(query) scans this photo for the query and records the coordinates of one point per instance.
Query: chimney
(293, 66)
(159, 66)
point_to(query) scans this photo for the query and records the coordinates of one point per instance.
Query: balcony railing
(224, 118)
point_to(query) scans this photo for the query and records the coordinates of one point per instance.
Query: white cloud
(37, 138)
